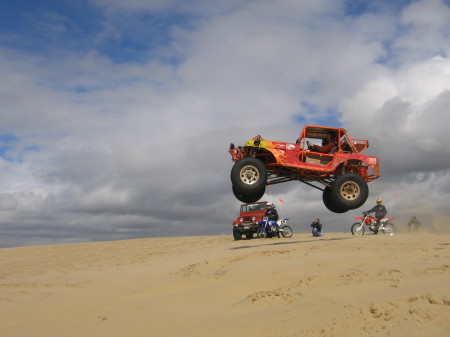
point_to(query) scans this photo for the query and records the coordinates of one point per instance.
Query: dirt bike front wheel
(358, 228)
(260, 233)
(389, 229)
(286, 231)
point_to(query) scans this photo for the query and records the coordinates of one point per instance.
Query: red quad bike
(386, 226)
(342, 174)
(250, 216)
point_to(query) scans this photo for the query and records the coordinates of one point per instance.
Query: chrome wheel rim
(249, 174)
(350, 190)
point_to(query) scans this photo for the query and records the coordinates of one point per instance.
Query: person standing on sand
(414, 224)
(316, 228)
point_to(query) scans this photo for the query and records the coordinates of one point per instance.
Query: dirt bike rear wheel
(389, 229)
(286, 231)
(358, 228)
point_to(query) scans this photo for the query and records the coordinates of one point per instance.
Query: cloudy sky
(116, 116)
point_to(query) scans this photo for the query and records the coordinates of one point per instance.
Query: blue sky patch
(47, 26)
(7, 142)
(312, 114)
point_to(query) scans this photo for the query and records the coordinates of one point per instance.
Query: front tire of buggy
(248, 198)
(249, 176)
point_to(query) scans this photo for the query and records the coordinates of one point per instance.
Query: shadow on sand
(286, 242)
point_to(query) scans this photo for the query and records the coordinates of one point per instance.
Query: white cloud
(403, 109)
(426, 31)
(111, 149)
(405, 116)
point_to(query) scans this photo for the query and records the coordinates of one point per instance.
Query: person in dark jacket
(271, 212)
(272, 215)
(316, 228)
(380, 212)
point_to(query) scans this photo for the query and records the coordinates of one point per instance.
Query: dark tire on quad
(249, 176)
(326, 197)
(248, 198)
(236, 234)
(349, 191)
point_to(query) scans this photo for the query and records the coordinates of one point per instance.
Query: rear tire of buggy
(349, 191)
(326, 197)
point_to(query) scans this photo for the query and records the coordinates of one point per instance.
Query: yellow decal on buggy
(259, 143)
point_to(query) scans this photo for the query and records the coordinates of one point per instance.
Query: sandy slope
(338, 285)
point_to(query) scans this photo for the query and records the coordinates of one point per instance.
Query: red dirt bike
(386, 227)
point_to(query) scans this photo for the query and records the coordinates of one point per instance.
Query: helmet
(270, 205)
(379, 201)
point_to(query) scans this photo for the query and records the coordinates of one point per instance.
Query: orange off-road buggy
(342, 173)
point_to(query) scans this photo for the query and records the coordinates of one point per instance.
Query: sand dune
(338, 285)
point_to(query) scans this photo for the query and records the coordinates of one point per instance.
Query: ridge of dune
(337, 285)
